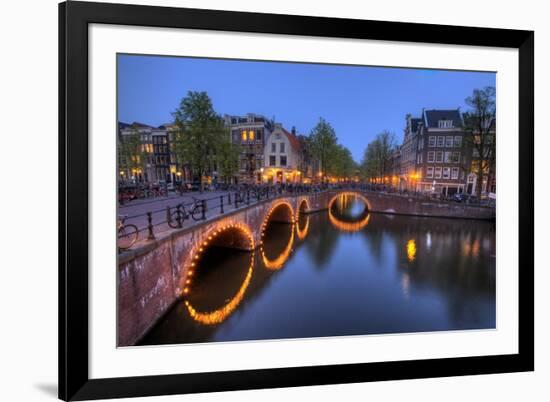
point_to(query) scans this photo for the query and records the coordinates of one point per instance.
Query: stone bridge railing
(152, 277)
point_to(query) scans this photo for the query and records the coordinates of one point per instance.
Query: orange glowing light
(302, 233)
(411, 250)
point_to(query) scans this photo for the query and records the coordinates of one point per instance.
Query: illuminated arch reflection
(302, 233)
(219, 315)
(346, 226)
(277, 263)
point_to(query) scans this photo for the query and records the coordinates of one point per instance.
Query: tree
(200, 131)
(376, 159)
(480, 133)
(227, 155)
(131, 153)
(324, 145)
(344, 165)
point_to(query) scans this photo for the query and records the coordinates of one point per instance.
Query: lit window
(251, 135)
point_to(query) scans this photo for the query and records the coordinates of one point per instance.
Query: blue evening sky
(359, 102)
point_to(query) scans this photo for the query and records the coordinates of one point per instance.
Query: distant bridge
(152, 277)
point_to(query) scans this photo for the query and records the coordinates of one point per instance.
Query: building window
(273, 147)
(439, 156)
(431, 141)
(456, 157)
(429, 172)
(251, 135)
(437, 173)
(431, 156)
(458, 141)
(282, 147)
(259, 135)
(243, 135)
(447, 158)
(449, 141)
(283, 158)
(446, 172)
(445, 124)
(454, 173)
(441, 141)
(272, 160)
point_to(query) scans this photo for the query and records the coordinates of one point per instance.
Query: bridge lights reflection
(342, 202)
(279, 261)
(302, 233)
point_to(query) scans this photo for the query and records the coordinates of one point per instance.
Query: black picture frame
(74, 18)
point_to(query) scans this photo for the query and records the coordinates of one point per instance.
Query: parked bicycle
(127, 233)
(180, 214)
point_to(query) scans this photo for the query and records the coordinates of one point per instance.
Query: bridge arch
(225, 234)
(347, 226)
(280, 211)
(302, 207)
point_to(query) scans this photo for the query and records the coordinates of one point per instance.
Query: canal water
(341, 272)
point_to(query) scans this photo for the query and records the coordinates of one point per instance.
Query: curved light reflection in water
(219, 315)
(278, 262)
(302, 233)
(348, 226)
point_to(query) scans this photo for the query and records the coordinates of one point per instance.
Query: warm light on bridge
(349, 226)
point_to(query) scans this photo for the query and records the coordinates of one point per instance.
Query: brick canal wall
(151, 278)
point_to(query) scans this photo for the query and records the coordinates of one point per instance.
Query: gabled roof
(122, 125)
(294, 141)
(137, 124)
(432, 117)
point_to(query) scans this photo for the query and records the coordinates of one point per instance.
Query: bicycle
(177, 217)
(127, 233)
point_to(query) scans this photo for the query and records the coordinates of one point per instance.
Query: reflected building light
(219, 315)
(406, 284)
(475, 248)
(428, 241)
(411, 250)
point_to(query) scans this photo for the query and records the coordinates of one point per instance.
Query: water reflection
(348, 212)
(396, 274)
(411, 250)
(273, 256)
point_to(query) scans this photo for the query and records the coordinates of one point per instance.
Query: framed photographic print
(257, 200)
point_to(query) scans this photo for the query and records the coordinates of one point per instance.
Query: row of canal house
(268, 153)
(437, 156)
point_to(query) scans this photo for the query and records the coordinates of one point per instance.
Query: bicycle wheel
(176, 219)
(127, 236)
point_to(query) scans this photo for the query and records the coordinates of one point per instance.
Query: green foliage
(200, 133)
(376, 159)
(344, 165)
(227, 155)
(324, 146)
(130, 153)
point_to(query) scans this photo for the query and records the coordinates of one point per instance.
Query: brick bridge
(152, 277)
